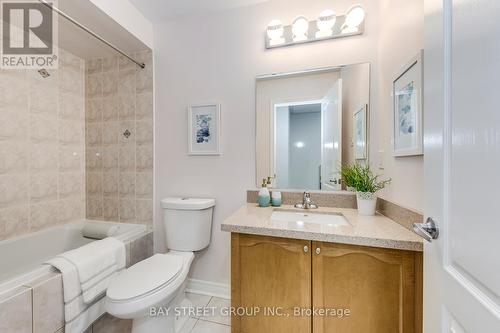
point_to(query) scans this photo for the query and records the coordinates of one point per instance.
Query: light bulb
(354, 17)
(300, 29)
(275, 32)
(325, 23)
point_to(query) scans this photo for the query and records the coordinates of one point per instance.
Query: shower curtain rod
(81, 26)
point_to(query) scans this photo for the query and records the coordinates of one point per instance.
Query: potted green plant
(366, 184)
(347, 173)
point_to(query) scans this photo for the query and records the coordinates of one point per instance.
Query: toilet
(152, 292)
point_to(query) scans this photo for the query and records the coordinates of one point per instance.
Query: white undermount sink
(329, 219)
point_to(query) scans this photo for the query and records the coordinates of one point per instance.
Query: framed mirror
(311, 122)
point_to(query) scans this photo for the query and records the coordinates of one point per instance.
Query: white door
(331, 137)
(462, 166)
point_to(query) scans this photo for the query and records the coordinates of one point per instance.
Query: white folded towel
(93, 258)
(86, 273)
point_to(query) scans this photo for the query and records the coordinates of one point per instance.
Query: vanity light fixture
(325, 23)
(275, 32)
(327, 26)
(299, 144)
(300, 29)
(353, 19)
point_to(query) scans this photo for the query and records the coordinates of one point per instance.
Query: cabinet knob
(318, 250)
(306, 249)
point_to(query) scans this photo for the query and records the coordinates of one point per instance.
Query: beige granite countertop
(376, 231)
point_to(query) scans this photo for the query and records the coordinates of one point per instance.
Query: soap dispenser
(264, 198)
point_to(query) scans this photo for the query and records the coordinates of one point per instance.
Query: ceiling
(84, 45)
(158, 10)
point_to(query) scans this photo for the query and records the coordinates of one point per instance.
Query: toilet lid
(145, 276)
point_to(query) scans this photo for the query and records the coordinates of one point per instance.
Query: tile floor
(215, 323)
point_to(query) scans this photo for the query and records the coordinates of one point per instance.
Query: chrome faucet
(306, 202)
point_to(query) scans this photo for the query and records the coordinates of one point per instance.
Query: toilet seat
(145, 277)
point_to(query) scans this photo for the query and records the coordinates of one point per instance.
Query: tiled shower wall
(42, 168)
(119, 139)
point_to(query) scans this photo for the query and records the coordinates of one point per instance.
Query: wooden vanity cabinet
(381, 288)
(270, 272)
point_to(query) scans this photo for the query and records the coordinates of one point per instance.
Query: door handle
(427, 230)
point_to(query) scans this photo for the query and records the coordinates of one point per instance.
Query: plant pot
(367, 203)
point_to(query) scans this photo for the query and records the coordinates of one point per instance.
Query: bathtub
(22, 258)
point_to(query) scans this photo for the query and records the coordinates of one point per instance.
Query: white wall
(401, 38)
(216, 57)
(124, 13)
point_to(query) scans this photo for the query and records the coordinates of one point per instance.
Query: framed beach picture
(407, 109)
(204, 128)
(359, 130)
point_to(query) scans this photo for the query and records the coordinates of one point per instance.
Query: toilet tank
(187, 223)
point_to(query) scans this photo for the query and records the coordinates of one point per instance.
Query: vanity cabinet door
(377, 286)
(270, 272)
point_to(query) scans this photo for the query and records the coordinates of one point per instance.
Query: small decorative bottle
(264, 198)
(276, 198)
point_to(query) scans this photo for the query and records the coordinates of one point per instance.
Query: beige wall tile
(110, 133)
(15, 190)
(70, 185)
(71, 210)
(93, 134)
(127, 210)
(14, 157)
(110, 183)
(94, 183)
(94, 206)
(43, 127)
(110, 108)
(144, 106)
(16, 312)
(70, 80)
(93, 66)
(144, 80)
(121, 185)
(144, 210)
(93, 159)
(110, 64)
(43, 187)
(144, 131)
(124, 63)
(109, 84)
(43, 157)
(144, 185)
(71, 158)
(141, 248)
(93, 109)
(48, 304)
(126, 158)
(144, 158)
(14, 122)
(93, 85)
(14, 220)
(42, 146)
(110, 208)
(110, 159)
(127, 184)
(71, 106)
(43, 215)
(126, 106)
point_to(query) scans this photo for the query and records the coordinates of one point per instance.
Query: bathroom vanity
(328, 270)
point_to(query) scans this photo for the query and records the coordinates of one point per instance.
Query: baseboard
(208, 288)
